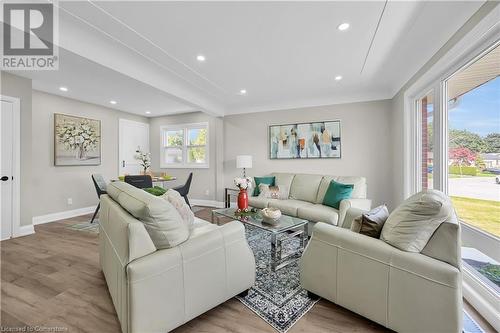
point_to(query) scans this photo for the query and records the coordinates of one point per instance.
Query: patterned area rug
(86, 226)
(276, 296)
(470, 325)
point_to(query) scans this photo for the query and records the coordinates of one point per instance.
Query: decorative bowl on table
(271, 215)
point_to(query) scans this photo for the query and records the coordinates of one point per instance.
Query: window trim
(480, 40)
(185, 146)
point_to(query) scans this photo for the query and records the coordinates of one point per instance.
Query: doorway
(133, 136)
(9, 166)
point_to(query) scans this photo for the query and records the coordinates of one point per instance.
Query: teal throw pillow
(336, 193)
(262, 180)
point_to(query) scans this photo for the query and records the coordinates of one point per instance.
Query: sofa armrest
(346, 204)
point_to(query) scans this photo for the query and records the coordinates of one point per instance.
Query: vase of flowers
(243, 184)
(144, 159)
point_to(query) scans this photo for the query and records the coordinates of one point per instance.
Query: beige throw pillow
(161, 220)
(273, 192)
(182, 207)
(411, 225)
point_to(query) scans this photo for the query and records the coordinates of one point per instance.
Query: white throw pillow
(410, 226)
(182, 207)
(161, 220)
(273, 192)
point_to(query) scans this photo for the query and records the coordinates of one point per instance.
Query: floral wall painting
(305, 140)
(77, 141)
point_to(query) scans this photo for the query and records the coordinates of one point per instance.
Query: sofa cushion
(412, 224)
(269, 180)
(305, 187)
(258, 202)
(283, 179)
(319, 213)
(336, 193)
(288, 207)
(161, 220)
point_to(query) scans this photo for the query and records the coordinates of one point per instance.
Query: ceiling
(285, 54)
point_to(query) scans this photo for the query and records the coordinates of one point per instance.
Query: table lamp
(244, 162)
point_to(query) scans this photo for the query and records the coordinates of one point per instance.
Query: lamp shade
(243, 161)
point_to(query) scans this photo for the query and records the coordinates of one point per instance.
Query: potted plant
(144, 159)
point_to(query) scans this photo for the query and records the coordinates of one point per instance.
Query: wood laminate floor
(52, 279)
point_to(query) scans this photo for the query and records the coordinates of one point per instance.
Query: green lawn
(484, 214)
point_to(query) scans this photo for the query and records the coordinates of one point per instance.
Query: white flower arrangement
(80, 137)
(144, 159)
(243, 183)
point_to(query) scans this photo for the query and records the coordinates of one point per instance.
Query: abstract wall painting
(305, 140)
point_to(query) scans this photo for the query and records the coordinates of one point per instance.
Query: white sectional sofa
(306, 196)
(158, 290)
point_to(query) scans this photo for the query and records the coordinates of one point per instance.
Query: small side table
(228, 192)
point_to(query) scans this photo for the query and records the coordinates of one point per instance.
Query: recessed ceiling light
(148, 112)
(63, 88)
(343, 26)
(200, 58)
(243, 92)
(113, 102)
(338, 78)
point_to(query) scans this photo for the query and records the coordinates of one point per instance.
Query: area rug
(277, 296)
(86, 226)
(470, 325)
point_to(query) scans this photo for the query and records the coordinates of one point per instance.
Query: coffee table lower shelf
(287, 229)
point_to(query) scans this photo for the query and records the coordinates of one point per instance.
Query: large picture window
(184, 146)
(455, 148)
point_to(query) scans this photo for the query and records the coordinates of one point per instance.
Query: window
(454, 146)
(474, 142)
(184, 146)
(425, 110)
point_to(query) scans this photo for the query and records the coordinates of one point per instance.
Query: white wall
(52, 186)
(367, 144)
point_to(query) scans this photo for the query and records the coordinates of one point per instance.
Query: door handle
(123, 163)
(4, 178)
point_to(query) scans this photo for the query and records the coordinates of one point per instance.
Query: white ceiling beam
(82, 39)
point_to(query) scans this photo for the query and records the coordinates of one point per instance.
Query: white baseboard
(207, 203)
(25, 230)
(62, 215)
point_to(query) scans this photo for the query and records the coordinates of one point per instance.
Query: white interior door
(133, 136)
(6, 169)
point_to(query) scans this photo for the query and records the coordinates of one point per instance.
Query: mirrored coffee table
(286, 229)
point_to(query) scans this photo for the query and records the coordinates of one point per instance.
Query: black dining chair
(100, 187)
(140, 181)
(184, 189)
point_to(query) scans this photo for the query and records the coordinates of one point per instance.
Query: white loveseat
(156, 291)
(306, 196)
(404, 291)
